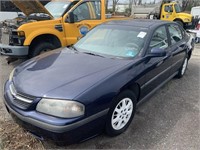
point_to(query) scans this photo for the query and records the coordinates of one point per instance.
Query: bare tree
(134, 2)
(188, 4)
(140, 2)
(114, 5)
(137, 2)
(130, 5)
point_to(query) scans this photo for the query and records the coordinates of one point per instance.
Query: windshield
(115, 41)
(57, 8)
(177, 8)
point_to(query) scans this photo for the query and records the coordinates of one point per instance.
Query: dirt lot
(169, 120)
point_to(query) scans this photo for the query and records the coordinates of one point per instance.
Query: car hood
(63, 74)
(29, 7)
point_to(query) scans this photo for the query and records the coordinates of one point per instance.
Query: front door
(168, 12)
(86, 15)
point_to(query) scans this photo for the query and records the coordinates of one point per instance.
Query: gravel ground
(170, 119)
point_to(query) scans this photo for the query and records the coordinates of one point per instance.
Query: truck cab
(168, 10)
(57, 24)
(172, 12)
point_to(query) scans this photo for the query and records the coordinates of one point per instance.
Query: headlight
(11, 75)
(21, 33)
(60, 108)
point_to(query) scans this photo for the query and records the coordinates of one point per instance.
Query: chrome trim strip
(151, 80)
(154, 90)
(14, 94)
(55, 128)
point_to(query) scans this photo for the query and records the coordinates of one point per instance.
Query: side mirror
(157, 52)
(70, 18)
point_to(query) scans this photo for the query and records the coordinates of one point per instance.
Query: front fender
(40, 32)
(186, 18)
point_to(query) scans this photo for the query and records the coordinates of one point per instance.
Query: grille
(5, 36)
(20, 100)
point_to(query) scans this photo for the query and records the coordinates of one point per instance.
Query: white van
(195, 11)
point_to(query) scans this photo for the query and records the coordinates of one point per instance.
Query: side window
(88, 11)
(82, 12)
(175, 33)
(159, 38)
(96, 5)
(168, 8)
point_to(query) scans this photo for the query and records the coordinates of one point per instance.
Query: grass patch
(12, 136)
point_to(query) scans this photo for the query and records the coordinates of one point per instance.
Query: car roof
(142, 23)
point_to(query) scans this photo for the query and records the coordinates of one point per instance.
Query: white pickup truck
(195, 11)
(4, 15)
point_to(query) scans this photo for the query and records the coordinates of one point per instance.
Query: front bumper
(192, 24)
(9, 50)
(56, 129)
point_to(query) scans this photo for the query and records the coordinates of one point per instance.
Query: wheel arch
(46, 38)
(178, 19)
(134, 87)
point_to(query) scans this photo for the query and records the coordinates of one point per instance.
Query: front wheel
(41, 48)
(180, 23)
(183, 68)
(121, 113)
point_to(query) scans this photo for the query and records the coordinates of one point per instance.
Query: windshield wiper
(74, 48)
(89, 53)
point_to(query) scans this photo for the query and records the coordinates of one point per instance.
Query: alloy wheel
(122, 113)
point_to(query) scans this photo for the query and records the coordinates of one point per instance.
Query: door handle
(183, 46)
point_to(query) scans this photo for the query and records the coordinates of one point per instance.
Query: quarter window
(159, 38)
(175, 34)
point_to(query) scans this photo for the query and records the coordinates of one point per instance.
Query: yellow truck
(168, 10)
(57, 24)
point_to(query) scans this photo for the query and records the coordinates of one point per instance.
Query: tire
(41, 47)
(183, 68)
(180, 23)
(121, 113)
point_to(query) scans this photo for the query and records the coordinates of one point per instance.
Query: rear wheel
(40, 48)
(121, 113)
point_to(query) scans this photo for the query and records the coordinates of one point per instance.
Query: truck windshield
(57, 8)
(177, 8)
(113, 41)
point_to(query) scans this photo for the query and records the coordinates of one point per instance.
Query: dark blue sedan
(72, 94)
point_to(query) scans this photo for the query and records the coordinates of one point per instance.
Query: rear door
(158, 68)
(178, 46)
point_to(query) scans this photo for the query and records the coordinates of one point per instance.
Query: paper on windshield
(141, 35)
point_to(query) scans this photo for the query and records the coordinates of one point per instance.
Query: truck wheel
(180, 23)
(121, 113)
(40, 48)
